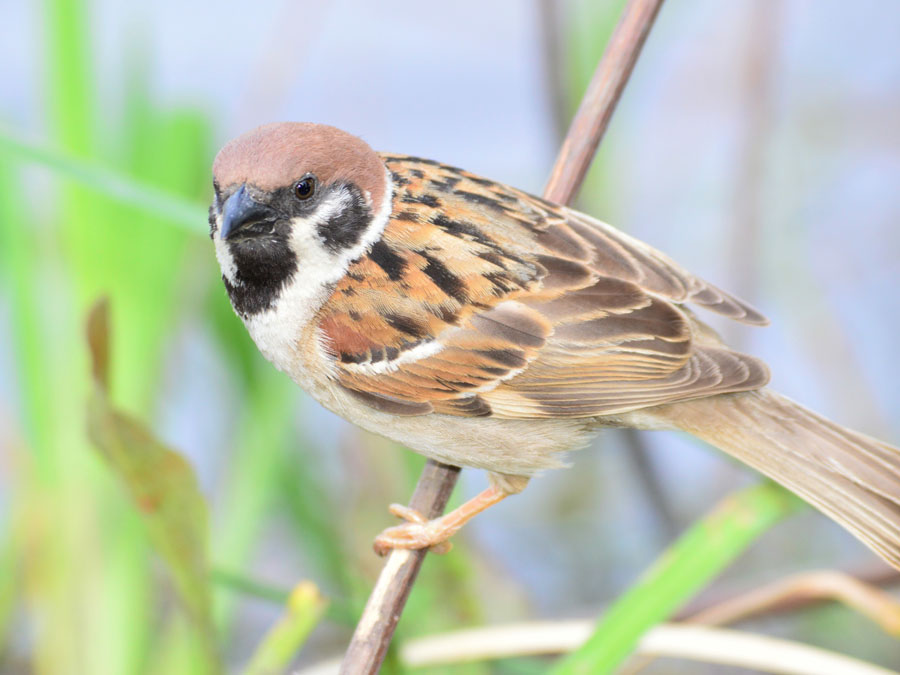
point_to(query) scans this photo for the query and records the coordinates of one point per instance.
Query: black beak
(241, 209)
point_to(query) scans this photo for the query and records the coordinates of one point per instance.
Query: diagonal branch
(373, 633)
(600, 99)
(375, 629)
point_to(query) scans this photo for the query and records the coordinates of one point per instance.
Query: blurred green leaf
(88, 574)
(139, 258)
(160, 482)
(305, 608)
(698, 556)
(70, 80)
(179, 211)
(242, 584)
(306, 499)
(587, 31)
(231, 335)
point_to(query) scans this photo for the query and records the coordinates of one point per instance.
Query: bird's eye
(305, 188)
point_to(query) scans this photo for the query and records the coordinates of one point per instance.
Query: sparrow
(482, 326)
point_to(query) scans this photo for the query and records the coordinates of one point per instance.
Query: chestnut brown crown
(276, 155)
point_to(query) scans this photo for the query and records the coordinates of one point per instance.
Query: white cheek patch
(276, 330)
(316, 265)
(319, 265)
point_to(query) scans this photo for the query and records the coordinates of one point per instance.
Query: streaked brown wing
(481, 299)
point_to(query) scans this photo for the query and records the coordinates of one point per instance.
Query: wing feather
(483, 300)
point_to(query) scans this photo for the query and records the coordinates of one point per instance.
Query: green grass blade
(70, 81)
(176, 210)
(699, 555)
(78, 594)
(91, 559)
(305, 608)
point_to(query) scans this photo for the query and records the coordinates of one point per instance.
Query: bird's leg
(418, 532)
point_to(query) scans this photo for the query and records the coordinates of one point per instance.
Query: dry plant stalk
(703, 644)
(876, 577)
(376, 626)
(373, 633)
(806, 587)
(797, 592)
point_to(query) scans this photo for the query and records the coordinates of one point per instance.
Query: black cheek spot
(345, 228)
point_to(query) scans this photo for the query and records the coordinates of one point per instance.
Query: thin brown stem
(821, 585)
(373, 633)
(599, 102)
(877, 576)
(638, 454)
(376, 626)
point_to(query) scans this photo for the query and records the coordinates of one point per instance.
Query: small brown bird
(482, 326)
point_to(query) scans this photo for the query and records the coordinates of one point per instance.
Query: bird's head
(294, 199)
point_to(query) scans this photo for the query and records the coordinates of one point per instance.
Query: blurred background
(758, 144)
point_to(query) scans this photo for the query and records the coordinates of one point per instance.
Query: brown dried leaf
(159, 480)
(98, 341)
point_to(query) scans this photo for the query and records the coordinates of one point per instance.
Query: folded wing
(482, 300)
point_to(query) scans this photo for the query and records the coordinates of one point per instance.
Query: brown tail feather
(851, 477)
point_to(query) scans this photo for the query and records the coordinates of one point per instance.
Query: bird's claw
(417, 533)
(407, 514)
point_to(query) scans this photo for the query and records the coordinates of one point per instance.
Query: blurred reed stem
(103, 180)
